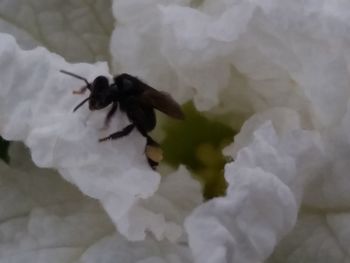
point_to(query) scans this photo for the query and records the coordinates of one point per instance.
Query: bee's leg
(118, 134)
(152, 164)
(153, 152)
(151, 142)
(110, 114)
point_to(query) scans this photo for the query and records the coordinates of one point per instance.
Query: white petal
(78, 30)
(45, 219)
(36, 102)
(266, 185)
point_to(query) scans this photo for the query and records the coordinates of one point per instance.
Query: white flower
(280, 66)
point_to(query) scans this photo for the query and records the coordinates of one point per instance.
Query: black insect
(137, 99)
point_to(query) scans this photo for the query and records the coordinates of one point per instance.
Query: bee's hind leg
(153, 152)
(118, 134)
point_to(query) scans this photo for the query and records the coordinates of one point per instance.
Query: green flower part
(197, 142)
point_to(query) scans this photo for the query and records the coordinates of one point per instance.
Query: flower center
(197, 142)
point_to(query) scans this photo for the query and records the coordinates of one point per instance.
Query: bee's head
(100, 94)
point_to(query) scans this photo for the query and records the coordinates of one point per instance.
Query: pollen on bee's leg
(154, 153)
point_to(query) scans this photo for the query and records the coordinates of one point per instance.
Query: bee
(137, 100)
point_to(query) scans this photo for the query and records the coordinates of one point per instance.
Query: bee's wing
(163, 102)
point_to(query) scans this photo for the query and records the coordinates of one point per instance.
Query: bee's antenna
(88, 85)
(81, 104)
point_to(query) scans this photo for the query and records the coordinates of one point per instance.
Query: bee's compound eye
(101, 82)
